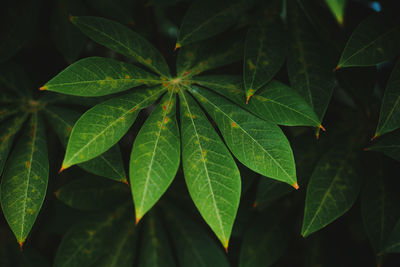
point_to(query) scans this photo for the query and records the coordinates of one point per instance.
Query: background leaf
(388, 145)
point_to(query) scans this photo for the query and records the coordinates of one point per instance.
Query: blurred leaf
(24, 182)
(102, 126)
(269, 190)
(96, 76)
(13, 77)
(121, 39)
(8, 110)
(119, 10)
(211, 174)
(374, 41)
(337, 8)
(388, 145)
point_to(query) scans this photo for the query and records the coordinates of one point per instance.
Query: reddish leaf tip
(137, 219)
(72, 18)
(296, 186)
(322, 128)
(366, 149)
(226, 245)
(255, 204)
(21, 245)
(44, 87)
(125, 181)
(62, 168)
(177, 46)
(337, 68)
(56, 193)
(374, 137)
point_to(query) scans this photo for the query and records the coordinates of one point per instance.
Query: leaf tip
(366, 149)
(56, 193)
(125, 181)
(225, 243)
(138, 218)
(177, 46)
(296, 186)
(338, 67)
(63, 167)
(72, 18)
(255, 204)
(374, 137)
(43, 88)
(322, 128)
(21, 245)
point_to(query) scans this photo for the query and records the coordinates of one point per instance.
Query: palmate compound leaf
(24, 182)
(121, 39)
(332, 190)
(97, 76)
(258, 144)
(155, 156)
(102, 126)
(264, 53)
(211, 174)
(109, 164)
(274, 102)
(388, 145)
(374, 41)
(206, 18)
(389, 117)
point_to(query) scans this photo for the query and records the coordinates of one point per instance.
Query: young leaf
(337, 8)
(388, 145)
(195, 246)
(374, 41)
(155, 156)
(102, 126)
(155, 251)
(92, 193)
(389, 117)
(97, 76)
(258, 144)
(309, 73)
(332, 190)
(211, 174)
(274, 102)
(24, 183)
(121, 39)
(206, 18)
(264, 53)
(109, 164)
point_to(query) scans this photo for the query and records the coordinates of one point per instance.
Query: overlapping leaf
(121, 39)
(24, 182)
(102, 126)
(258, 144)
(211, 174)
(155, 156)
(96, 76)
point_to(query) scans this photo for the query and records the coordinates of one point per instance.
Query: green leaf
(268, 191)
(389, 117)
(374, 41)
(309, 72)
(96, 76)
(103, 126)
(92, 193)
(197, 58)
(155, 156)
(206, 18)
(388, 145)
(7, 133)
(337, 8)
(379, 208)
(211, 174)
(258, 144)
(7, 110)
(332, 190)
(194, 245)
(109, 164)
(155, 251)
(121, 39)
(264, 243)
(274, 102)
(264, 53)
(24, 182)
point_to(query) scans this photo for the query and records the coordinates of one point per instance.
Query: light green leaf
(206, 18)
(109, 164)
(97, 76)
(389, 117)
(155, 251)
(103, 126)
(92, 193)
(274, 102)
(195, 246)
(7, 133)
(121, 39)
(337, 8)
(332, 190)
(155, 156)
(211, 174)
(264, 53)
(388, 145)
(309, 73)
(258, 144)
(24, 182)
(374, 41)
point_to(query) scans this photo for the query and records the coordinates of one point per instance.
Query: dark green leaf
(388, 145)
(206, 18)
(7, 110)
(268, 191)
(258, 144)
(109, 164)
(374, 41)
(332, 190)
(24, 183)
(96, 76)
(274, 102)
(103, 126)
(155, 156)
(211, 174)
(16, 79)
(389, 117)
(121, 39)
